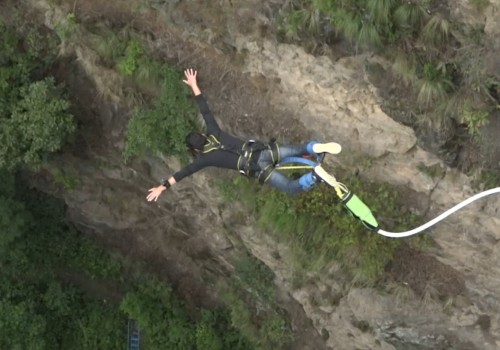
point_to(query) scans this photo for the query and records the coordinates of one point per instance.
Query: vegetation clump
(46, 265)
(319, 230)
(34, 114)
(251, 299)
(441, 61)
(160, 127)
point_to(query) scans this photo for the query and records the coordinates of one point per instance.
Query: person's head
(195, 141)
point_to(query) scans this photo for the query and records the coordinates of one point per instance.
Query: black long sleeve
(222, 158)
(212, 126)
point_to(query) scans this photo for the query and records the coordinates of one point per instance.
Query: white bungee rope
(440, 217)
(344, 194)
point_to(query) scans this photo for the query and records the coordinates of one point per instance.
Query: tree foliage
(160, 316)
(34, 117)
(39, 310)
(162, 128)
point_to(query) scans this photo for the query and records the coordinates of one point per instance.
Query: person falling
(251, 158)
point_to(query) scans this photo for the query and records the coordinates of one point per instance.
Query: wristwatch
(165, 183)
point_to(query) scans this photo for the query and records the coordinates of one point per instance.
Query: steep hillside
(444, 297)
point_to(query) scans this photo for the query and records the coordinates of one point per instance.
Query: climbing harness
(248, 154)
(362, 212)
(247, 162)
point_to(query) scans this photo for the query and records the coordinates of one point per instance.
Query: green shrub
(95, 262)
(133, 54)
(319, 230)
(206, 338)
(240, 315)
(21, 327)
(34, 118)
(254, 275)
(40, 123)
(40, 254)
(216, 330)
(276, 332)
(474, 119)
(160, 316)
(15, 221)
(163, 128)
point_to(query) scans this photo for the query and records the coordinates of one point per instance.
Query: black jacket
(221, 158)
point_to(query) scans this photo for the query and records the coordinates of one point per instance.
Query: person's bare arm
(190, 75)
(191, 81)
(155, 192)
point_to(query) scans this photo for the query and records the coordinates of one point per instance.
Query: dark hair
(195, 141)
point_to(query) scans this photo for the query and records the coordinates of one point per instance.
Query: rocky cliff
(190, 234)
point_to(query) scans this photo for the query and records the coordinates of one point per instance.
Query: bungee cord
(361, 211)
(440, 217)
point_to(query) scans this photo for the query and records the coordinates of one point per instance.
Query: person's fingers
(151, 189)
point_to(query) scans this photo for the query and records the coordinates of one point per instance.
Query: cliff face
(190, 234)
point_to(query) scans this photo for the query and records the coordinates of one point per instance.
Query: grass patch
(319, 230)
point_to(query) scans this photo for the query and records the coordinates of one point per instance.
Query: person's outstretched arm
(212, 126)
(155, 192)
(190, 80)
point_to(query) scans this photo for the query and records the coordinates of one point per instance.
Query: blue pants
(280, 181)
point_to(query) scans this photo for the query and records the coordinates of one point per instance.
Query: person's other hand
(155, 192)
(190, 75)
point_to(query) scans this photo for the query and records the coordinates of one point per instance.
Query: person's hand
(155, 192)
(190, 75)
